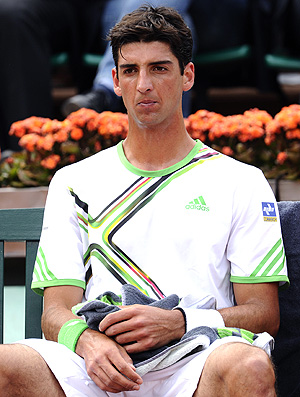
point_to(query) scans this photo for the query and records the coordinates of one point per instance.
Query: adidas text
(196, 207)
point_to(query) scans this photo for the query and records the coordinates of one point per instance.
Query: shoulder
(228, 167)
(83, 169)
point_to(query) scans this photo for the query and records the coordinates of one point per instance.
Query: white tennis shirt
(192, 229)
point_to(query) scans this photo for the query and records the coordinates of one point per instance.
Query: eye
(129, 70)
(158, 68)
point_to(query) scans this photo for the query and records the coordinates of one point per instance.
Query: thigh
(25, 373)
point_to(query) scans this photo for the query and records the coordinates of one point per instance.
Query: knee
(255, 371)
(6, 374)
(260, 368)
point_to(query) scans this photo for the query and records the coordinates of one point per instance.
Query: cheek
(173, 91)
(172, 86)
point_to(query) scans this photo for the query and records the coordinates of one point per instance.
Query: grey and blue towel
(193, 341)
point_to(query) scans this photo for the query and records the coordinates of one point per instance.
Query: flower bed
(254, 137)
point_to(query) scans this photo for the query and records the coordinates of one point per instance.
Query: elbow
(274, 326)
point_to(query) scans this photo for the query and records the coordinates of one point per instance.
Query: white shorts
(179, 379)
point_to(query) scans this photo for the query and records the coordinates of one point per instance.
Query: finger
(137, 347)
(123, 375)
(114, 318)
(110, 382)
(126, 367)
(120, 328)
(130, 373)
(125, 356)
(125, 338)
(122, 362)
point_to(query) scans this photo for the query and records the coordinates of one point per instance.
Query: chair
(59, 59)
(217, 67)
(23, 224)
(287, 342)
(282, 63)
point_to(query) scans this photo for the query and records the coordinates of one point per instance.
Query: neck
(156, 148)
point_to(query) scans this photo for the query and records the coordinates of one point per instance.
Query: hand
(107, 363)
(140, 328)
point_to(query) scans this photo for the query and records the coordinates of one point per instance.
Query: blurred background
(54, 56)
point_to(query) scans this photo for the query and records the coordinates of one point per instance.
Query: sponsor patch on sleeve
(269, 212)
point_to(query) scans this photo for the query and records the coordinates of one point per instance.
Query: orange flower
(76, 134)
(293, 134)
(200, 123)
(113, 124)
(29, 142)
(45, 142)
(281, 157)
(227, 150)
(97, 146)
(260, 117)
(51, 161)
(17, 129)
(61, 135)
(72, 158)
(82, 116)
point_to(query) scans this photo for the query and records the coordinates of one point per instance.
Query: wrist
(180, 321)
(70, 333)
(87, 340)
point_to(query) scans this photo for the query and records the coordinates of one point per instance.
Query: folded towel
(197, 339)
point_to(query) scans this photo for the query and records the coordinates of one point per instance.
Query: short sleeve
(59, 258)
(255, 247)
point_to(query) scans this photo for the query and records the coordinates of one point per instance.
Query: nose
(144, 82)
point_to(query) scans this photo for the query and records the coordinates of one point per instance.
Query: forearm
(58, 303)
(253, 317)
(53, 319)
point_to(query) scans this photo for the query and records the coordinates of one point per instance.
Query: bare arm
(106, 361)
(257, 308)
(58, 302)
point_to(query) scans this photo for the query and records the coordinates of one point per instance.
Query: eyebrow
(131, 65)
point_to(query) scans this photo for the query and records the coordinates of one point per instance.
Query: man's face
(150, 82)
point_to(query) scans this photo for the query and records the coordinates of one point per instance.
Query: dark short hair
(147, 24)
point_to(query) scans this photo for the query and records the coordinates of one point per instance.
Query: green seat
(88, 59)
(92, 60)
(23, 224)
(282, 62)
(233, 54)
(214, 67)
(60, 59)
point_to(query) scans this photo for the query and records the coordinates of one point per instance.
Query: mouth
(147, 102)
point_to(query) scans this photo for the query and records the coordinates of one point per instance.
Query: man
(167, 215)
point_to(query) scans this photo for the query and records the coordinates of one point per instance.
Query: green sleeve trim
(259, 280)
(38, 286)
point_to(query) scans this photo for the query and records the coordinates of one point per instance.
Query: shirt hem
(38, 286)
(283, 280)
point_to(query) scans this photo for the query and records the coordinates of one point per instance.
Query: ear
(188, 76)
(116, 82)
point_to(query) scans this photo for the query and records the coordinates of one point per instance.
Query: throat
(157, 157)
